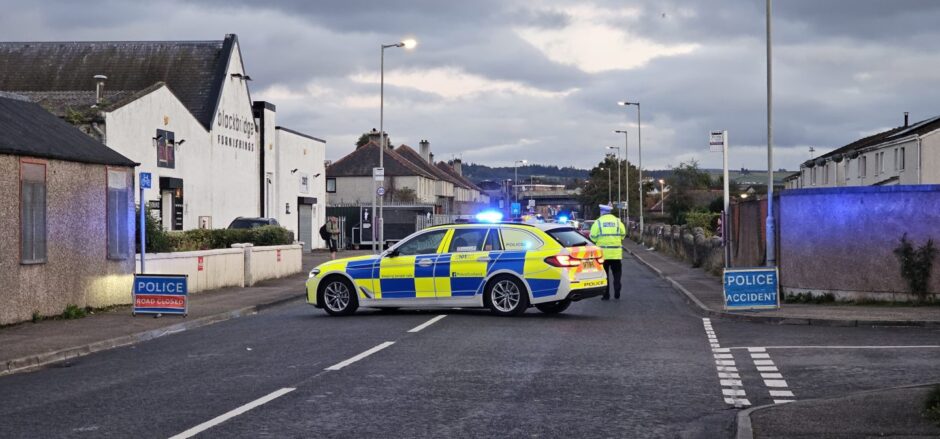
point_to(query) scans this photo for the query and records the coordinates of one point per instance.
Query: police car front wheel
(338, 297)
(506, 296)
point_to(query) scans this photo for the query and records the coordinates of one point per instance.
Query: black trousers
(615, 268)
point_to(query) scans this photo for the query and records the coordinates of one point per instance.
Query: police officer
(608, 232)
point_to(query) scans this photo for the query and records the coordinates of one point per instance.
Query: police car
(505, 267)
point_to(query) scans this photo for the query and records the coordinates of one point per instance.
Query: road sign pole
(725, 223)
(145, 182)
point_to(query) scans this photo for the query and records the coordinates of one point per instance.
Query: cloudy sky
(495, 81)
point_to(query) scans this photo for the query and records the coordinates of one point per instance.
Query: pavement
(30, 345)
(705, 292)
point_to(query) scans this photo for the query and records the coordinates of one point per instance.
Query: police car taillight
(563, 261)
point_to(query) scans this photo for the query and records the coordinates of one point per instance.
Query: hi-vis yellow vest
(608, 232)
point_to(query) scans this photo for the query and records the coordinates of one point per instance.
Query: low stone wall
(686, 244)
(239, 266)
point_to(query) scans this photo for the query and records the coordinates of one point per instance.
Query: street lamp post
(662, 197)
(626, 159)
(407, 44)
(619, 191)
(515, 169)
(771, 237)
(639, 160)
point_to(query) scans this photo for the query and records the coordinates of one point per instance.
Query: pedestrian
(608, 232)
(330, 233)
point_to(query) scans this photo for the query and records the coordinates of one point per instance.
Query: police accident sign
(751, 288)
(161, 294)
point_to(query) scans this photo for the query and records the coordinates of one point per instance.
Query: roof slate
(29, 130)
(193, 70)
(917, 128)
(415, 158)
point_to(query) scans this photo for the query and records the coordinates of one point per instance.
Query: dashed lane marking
(427, 323)
(365, 354)
(233, 413)
(773, 379)
(732, 388)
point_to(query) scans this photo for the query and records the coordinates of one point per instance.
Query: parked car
(585, 228)
(506, 267)
(250, 223)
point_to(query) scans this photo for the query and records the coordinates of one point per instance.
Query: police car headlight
(314, 273)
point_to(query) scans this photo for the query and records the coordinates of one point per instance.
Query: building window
(881, 162)
(32, 213)
(118, 227)
(863, 166)
(826, 174)
(331, 185)
(900, 160)
(847, 161)
(813, 177)
(166, 153)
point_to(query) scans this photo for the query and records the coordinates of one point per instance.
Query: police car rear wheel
(554, 307)
(506, 296)
(338, 297)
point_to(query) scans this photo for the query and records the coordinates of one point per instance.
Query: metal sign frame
(157, 310)
(776, 287)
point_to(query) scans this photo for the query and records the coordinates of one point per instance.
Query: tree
(363, 139)
(594, 190)
(404, 195)
(685, 178)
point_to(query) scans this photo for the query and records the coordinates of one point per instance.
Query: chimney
(457, 167)
(425, 150)
(431, 158)
(99, 88)
(905, 118)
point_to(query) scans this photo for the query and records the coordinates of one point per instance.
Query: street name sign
(751, 288)
(161, 294)
(145, 180)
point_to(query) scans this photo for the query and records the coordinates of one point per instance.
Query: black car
(250, 223)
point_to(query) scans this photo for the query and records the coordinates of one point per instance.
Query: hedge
(161, 241)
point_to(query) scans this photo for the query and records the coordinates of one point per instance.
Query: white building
(909, 154)
(182, 109)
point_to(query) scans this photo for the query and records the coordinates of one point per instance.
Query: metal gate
(305, 225)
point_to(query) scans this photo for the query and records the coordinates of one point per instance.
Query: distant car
(250, 223)
(585, 228)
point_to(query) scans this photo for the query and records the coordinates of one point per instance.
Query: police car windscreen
(568, 237)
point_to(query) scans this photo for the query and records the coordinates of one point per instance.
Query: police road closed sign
(161, 294)
(751, 288)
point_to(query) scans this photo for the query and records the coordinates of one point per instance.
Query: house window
(118, 227)
(863, 166)
(331, 185)
(813, 177)
(826, 174)
(881, 162)
(900, 160)
(166, 153)
(32, 213)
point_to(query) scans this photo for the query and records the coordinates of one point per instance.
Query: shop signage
(161, 294)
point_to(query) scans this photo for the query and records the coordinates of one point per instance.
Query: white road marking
(220, 419)
(767, 369)
(427, 323)
(365, 354)
(784, 393)
(760, 355)
(836, 347)
(728, 377)
(782, 401)
(775, 383)
(763, 362)
(757, 349)
(771, 375)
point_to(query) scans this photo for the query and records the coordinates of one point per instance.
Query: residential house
(68, 223)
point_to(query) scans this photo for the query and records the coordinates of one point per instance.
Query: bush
(73, 312)
(916, 264)
(208, 239)
(702, 219)
(158, 240)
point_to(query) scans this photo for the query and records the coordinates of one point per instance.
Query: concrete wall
(841, 240)
(306, 156)
(239, 266)
(77, 270)
(220, 268)
(684, 243)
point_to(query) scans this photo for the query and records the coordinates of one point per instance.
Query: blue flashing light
(562, 219)
(489, 216)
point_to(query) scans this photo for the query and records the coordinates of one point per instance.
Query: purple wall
(842, 239)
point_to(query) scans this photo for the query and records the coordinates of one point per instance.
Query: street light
(771, 256)
(626, 158)
(662, 197)
(619, 191)
(639, 161)
(515, 169)
(407, 44)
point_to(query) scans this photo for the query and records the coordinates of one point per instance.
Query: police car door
(468, 262)
(407, 272)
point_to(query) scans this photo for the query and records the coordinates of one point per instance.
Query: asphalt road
(639, 367)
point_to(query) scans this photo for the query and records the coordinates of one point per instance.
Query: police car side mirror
(391, 253)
